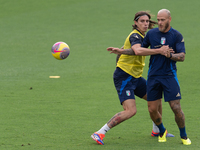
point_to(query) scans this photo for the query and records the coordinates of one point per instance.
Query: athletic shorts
(127, 86)
(156, 86)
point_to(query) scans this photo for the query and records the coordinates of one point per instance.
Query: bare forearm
(140, 51)
(178, 57)
(145, 51)
(128, 52)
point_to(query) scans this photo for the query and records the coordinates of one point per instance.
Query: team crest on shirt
(128, 93)
(163, 40)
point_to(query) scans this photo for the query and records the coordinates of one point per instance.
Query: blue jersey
(160, 65)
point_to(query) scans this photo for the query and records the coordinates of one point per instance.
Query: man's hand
(165, 50)
(115, 50)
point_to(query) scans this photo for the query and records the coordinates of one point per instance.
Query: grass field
(58, 114)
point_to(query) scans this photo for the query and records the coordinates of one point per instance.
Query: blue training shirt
(160, 65)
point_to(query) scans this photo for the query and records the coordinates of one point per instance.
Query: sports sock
(161, 128)
(183, 133)
(104, 129)
(155, 128)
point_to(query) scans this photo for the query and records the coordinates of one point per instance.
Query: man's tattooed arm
(129, 51)
(177, 57)
(126, 52)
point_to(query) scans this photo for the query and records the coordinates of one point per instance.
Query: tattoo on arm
(126, 52)
(178, 57)
(129, 52)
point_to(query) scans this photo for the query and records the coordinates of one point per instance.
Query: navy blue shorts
(127, 86)
(156, 86)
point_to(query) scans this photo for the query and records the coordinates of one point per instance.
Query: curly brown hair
(143, 13)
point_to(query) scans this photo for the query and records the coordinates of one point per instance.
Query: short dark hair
(143, 13)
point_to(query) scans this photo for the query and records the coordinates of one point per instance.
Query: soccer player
(162, 77)
(127, 76)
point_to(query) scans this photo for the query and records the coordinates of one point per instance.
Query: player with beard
(162, 77)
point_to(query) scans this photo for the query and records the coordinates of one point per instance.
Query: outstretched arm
(164, 50)
(138, 50)
(120, 51)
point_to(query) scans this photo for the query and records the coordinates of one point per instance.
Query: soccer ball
(60, 50)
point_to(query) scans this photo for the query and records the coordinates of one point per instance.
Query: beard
(164, 28)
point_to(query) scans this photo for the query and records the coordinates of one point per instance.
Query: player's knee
(152, 109)
(131, 113)
(175, 106)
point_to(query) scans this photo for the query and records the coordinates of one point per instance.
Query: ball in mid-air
(60, 50)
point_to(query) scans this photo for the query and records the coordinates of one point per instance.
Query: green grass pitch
(60, 114)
